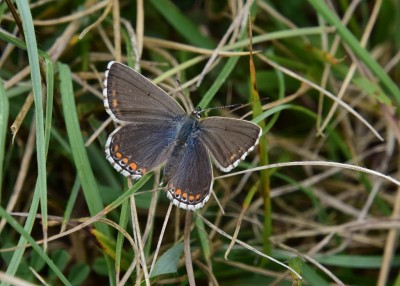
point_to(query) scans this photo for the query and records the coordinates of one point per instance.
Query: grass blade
(4, 109)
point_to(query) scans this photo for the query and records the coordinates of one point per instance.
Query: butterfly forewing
(229, 140)
(129, 96)
(149, 117)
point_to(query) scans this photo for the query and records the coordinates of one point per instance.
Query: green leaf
(78, 274)
(36, 262)
(60, 258)
(168, 262)
(100, 266)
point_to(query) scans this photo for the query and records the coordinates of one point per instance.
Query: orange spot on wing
(115, 103)
(178, 192)
(125, 160)
(118, 155)
(198, 196)
(184, 195)
(115, 148)
(133, 166)
(191, 198)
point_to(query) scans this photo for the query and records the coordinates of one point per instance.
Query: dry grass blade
(316, 163)
(248, 246)
(187, 252)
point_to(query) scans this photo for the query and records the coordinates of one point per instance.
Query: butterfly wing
(130, 97)
(150, 119)
(134, 149)
(188, 174)
(229, 140)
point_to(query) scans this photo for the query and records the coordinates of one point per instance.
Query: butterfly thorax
(189, 128)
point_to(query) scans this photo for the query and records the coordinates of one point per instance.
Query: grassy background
(320, 194)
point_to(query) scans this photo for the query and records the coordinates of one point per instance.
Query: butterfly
(153, 129)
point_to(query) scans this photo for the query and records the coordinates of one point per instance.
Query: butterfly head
(197, 112)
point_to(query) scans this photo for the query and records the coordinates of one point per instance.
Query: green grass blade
(354, 44)
(79, 153)
(219, 81)
(355, 261)
(19, 43)
(70, 203)
(20, 249)
(183, 25)
(34, 245)
(82, 164)
(33, 55)
(4, 109)
(203, 238)
(123, 222)
(49, 101)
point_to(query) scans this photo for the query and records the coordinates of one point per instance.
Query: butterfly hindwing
(129, 96)
(229, 140)
(188, 174)
(134, 149)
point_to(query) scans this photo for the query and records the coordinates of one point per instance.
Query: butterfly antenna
(221, 107)
(249, 104)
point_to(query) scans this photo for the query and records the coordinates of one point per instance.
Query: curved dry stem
(315, 163)
(98, 21)
(327, 93)
(186, 249)
(138, 238)
(73, 17)
(245, 245)
(161, 237)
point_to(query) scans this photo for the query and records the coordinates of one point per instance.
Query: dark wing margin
(229, 140)
(131, 97)
(135, 149)
(188, 174)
